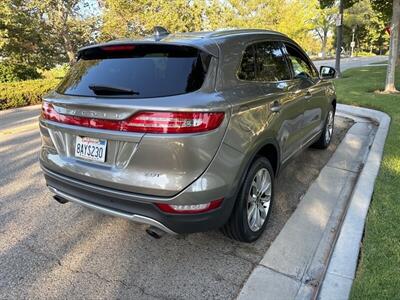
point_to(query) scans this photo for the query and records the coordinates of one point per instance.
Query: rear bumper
(133, 207)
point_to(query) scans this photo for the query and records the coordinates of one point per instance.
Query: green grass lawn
(378, 273)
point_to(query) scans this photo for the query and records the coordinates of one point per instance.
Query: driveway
(49, 250)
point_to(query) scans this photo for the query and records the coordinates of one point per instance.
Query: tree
(390, 11)
(343, 4)
(128, 19)
(323, 23)
(368, 25)
(291, 17)
(394, 48)
(44, 33)
(384, 7)
(70, 22)
(23, 39)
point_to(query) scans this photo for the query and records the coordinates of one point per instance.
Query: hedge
(10, 72)
(23, 93)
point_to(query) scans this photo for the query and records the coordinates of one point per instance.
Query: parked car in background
(185, 132)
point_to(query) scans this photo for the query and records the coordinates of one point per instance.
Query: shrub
(16, 72)
(23, 93)
(57, 72)
(365, 53)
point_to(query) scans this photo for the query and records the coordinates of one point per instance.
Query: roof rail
(160, 32)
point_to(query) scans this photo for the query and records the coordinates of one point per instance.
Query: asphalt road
(48, 250)
(348, 63)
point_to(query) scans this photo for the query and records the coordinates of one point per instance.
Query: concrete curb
(343, 264)
(295, 266)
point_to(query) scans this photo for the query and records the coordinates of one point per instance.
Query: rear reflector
(190, 209)
(145, 122)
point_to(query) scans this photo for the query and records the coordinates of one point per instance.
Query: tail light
(190, 209)
(145, 122)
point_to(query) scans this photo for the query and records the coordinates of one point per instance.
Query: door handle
(275, 107)
(308, 95)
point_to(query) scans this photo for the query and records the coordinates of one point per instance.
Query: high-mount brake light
(118, 48)
(144, 122)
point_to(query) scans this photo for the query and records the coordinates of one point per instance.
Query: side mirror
(327, 72)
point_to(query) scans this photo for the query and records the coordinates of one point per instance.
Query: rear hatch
(142, 118)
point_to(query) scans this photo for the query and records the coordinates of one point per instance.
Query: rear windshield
(140, 71)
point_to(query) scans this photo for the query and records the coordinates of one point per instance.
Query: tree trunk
(394, 49)
(324, 43)
(398, 49)
(69, 49)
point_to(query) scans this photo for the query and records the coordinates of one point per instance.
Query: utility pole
(339, 37)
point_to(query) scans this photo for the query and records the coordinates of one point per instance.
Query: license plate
(90, 148)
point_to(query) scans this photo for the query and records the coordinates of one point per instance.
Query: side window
(271, 63)
(247, 69)
(301, 66)
(264, 61)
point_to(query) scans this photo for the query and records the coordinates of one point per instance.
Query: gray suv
(184, 132)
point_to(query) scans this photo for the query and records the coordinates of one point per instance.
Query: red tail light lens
(190, 209)
(145, 122)
(173, 122)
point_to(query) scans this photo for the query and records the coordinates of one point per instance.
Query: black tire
(238, 227)
(323, 142)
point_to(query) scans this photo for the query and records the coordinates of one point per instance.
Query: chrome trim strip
(311, 138)
(133, 217)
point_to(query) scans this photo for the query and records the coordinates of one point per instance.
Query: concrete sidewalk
(295, 265)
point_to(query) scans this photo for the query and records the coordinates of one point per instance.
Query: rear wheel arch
(270, 151)
(236, 227)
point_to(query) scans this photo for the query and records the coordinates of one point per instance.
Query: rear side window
(271, 62)
(264, 61)
(140, 71)
(247, 69)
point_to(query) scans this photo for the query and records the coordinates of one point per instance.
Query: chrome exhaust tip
(155, 232)
(60, 200)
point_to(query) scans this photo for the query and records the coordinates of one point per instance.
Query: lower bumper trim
(132, 217)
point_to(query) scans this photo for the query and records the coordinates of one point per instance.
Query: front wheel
(252, 208)
(326, 136)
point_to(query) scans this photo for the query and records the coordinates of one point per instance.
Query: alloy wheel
(329, 127)
(259, 199)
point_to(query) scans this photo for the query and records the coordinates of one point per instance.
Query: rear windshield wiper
(111, 90)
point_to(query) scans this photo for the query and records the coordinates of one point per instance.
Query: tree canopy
(45, 33)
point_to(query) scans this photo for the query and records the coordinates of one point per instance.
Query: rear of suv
(184, 132)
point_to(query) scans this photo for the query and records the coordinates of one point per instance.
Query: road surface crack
(31, 249)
